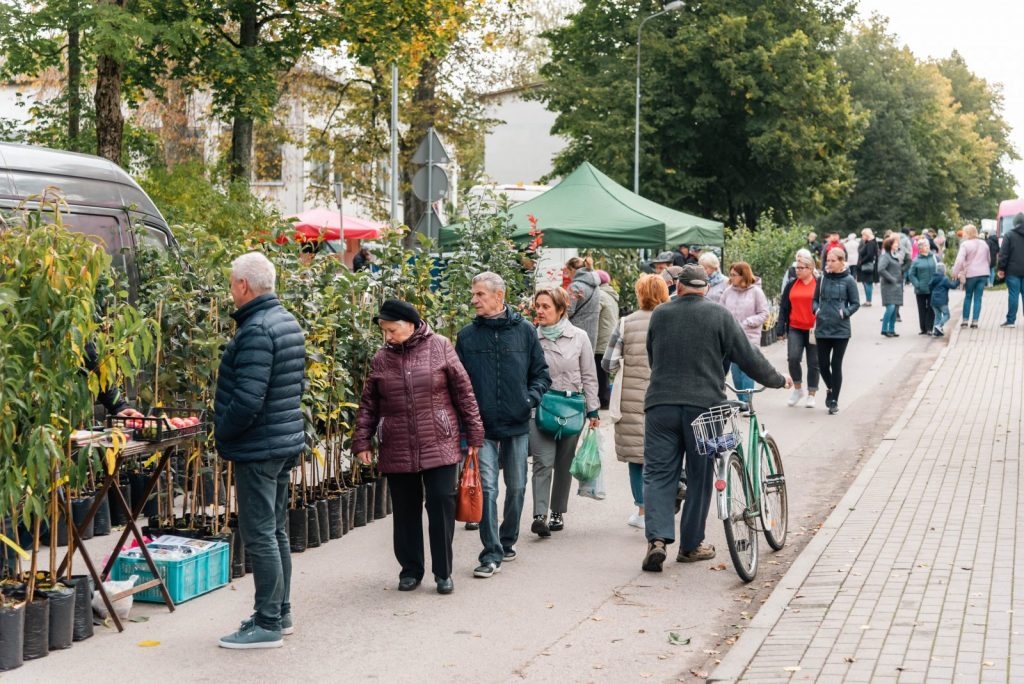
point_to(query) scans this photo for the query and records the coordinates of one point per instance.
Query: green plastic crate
(185, 578)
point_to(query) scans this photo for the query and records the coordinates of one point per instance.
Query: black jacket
(993, 249)
(257, 415)
(1011, 253)
(688, 341)
(868, 253)
(506, 365)
(835, 300)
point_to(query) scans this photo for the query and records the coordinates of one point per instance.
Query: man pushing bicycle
(689, 344)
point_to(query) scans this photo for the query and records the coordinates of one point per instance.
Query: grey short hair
(923, 242)
(255, 269)
(710, 260)
(493, 281)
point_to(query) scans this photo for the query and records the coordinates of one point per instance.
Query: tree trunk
(241, 149)
(240, 166)
(74, 80)
(109, 119)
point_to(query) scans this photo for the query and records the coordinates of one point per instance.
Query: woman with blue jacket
(835, 300)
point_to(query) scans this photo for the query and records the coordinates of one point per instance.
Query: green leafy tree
(983, 102)
(925, 157)
(744, 107)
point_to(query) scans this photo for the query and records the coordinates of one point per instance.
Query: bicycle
(750, 492)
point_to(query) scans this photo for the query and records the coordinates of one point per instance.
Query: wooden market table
(132, 450)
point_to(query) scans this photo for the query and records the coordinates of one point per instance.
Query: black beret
(397, 310)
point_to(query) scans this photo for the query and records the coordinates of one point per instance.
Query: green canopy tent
(589, 209)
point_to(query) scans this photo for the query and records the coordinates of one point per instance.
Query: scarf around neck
(553, 332)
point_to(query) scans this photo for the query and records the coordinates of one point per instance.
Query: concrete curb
(746, 647)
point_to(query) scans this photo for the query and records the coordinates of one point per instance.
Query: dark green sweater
(689, 343)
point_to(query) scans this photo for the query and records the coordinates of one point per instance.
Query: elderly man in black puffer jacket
(258, 425)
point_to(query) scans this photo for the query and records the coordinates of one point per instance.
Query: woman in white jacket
(570, 358)
(747, 303)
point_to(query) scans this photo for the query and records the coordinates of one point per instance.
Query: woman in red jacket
(415, 397)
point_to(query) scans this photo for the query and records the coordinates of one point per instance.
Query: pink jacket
(749, 307)
(972, 260)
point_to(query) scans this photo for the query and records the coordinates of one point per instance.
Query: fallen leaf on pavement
(700, 674)
(717, 568)
(149, 643)
(676, 640)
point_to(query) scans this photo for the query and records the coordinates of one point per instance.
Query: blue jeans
(636, 483)
(992, 276)
(508, 454)
(889, 319)
(667, 437)
(869, 289)
(1013, 289)
(941, 315)
(973, 289)
(262, 489)
(741, 381)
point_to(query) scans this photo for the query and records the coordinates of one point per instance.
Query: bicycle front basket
(716, 430)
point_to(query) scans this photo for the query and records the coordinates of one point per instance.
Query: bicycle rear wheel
(740, 535)
(774, 500)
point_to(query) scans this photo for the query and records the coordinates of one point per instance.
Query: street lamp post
(669, 7)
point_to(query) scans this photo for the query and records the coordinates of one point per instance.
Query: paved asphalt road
(575, 607)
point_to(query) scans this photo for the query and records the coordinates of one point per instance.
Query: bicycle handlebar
(744, 391)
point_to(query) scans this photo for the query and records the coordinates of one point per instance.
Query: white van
(102, 200)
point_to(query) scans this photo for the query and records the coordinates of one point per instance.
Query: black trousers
(830, 363)
(925, 313)
(603, 393)
(407, 496)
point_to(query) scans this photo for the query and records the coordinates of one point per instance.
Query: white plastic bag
(593, 489)
(121, 606)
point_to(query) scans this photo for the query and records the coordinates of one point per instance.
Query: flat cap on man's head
(674, 271)
(663, 258)
(397, 310)
(693, 275)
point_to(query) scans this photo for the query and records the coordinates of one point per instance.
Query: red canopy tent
(325, 224)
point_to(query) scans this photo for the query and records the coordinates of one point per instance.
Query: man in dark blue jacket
(505, 362)
(258, 425)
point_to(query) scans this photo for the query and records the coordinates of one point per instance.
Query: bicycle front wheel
(740, 535)
(774, 501)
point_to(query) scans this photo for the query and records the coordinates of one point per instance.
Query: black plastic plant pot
(118, 514)
(62, 616)
(351, 510)
(298, 521)
(380, 499)
(101, 521)
(237, 554)
(208, 489)
(335, 524)
(61, 536)
(324, 519)
(37, 629)
(371, 496)
(83, 587)
(312, 527)
(79, 509)
(12, 634)
(360, 515)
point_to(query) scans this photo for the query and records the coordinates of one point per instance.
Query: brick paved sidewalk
(912, 577)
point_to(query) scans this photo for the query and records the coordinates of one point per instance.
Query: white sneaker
(636, 520)
(810, 403)
(794, 396)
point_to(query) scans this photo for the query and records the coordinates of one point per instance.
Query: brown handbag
(469, 500)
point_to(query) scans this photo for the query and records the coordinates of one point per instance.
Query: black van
(102, 199)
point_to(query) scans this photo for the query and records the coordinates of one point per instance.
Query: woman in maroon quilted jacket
(415, 398)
